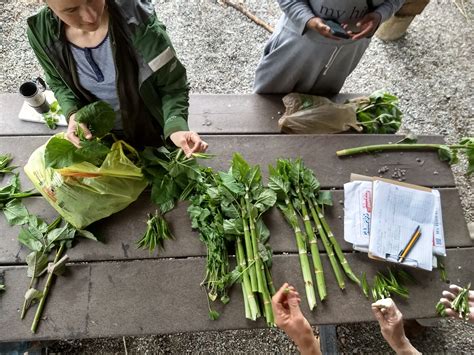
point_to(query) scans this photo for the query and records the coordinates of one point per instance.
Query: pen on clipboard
(404, 252)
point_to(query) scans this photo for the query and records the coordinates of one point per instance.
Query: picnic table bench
(113, 289)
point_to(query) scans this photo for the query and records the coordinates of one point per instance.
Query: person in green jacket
(118, 52)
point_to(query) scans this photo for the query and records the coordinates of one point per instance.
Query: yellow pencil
(404, 252)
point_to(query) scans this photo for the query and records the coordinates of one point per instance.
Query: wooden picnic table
(113, 289)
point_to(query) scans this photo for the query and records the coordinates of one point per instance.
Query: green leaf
(16, 213)
(325, 197)
(98, 116)
(58, 234)
(93, 151)
(86, 234)
(229, 181)
(60, 153)
(28, 238)
(265, 200)
(164, 190)
(213, 315)
(37, 262)
(233, 226)
(2, 287)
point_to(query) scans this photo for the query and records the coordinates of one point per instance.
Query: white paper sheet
(357, 214)
(439, 246)
(396, 213)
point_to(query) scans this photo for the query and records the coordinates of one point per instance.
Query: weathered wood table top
(112, 289)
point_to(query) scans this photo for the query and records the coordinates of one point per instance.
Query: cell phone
(336, 29)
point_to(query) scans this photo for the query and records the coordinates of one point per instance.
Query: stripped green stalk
(249, 250)
(267, 303)
(248, 313)
(259, 270)
(292, 218)
(271, 286)
(47, 287)
(254, 311)
(342, 259)
(318, 266)
(329, 248)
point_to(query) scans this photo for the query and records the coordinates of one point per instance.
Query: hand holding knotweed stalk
(457, 302)
(446, 152)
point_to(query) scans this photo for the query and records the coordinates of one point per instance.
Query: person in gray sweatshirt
(303, 56)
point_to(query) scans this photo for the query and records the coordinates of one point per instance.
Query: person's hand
(317, 24)
(288, 317)
(449, 296)
(391, 326)
(71, 133)
(367, 26)
(189, 142)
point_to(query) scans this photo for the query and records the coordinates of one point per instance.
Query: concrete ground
(430, 69)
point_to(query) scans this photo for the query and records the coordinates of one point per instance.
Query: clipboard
(391, 258)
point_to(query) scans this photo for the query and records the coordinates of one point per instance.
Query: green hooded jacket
(151, 82)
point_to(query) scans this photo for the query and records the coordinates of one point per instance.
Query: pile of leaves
(100, 119)
(387, 285)
(378, 113)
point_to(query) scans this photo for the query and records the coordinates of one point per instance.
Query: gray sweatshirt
(299, 60)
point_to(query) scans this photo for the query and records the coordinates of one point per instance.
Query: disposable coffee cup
(34, 95)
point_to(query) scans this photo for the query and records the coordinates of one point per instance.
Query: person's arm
(449, 296)
(388, 9)
(372, 20)
(288, 317)
(66, 98)
(298, 11)
(391, 326)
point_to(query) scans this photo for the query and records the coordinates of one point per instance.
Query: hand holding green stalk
(458, 302)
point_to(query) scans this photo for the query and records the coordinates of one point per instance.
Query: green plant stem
(47, 287)
(248, 313)
(318, 266)
(385, 147)
(267, 304)
(254, 311)
(303, 255)
(340, 255)
(249, 250)
(271, 286)
(259, 270)
(329, 249)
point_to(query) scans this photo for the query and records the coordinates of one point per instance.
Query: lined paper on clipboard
(383, 227)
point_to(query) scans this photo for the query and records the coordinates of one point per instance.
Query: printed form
(396, 213)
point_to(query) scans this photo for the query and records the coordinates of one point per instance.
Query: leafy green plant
(99, 118)
(10, 201)
(300, 200)
(5, 160)
(378, 113)
(446, 152)
(51, 118)
(385, 286)
(207, 217)
(41, 238)
(156, 233)
(244, 200)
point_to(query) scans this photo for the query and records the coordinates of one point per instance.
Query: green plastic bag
(83, 193)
